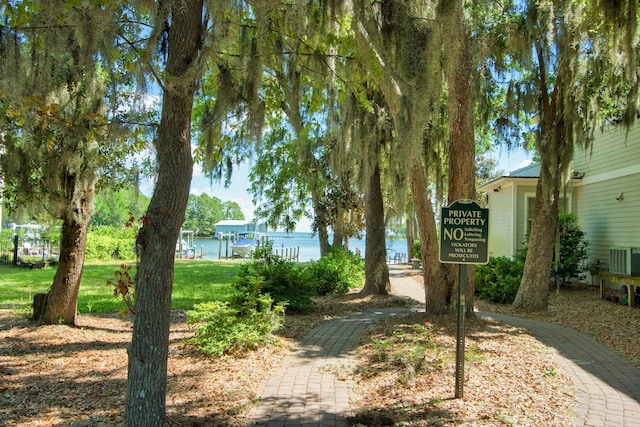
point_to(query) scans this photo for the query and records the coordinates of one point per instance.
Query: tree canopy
(67, 120)
(346, 108)
(204, 211)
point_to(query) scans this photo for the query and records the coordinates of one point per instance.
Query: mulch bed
(579, 307)
(509, 378)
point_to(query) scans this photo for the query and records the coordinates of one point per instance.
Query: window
(564, 206)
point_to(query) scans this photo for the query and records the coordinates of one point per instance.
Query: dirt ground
(76, 376)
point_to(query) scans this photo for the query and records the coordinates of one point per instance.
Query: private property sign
(464, 233)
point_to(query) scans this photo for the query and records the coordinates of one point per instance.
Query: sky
(511, 160)
(238, 190)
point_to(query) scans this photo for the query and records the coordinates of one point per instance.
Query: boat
(245, 245)
(185, 246)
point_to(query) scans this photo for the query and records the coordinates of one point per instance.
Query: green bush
(573, 251)
(226, 329)
(253, 313)
(336, 272)
(106, 243)
(283, 280)
(296, 284)
(263, 288)
(416, 250)
(6, 240)
(499, 280)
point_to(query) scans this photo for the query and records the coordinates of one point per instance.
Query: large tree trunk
(323, 238)
(461, 133)
(375, 264)
(339, 237)
(148, 352)
(437, 289)
(533, 293)
(62, 298)
(555, 146)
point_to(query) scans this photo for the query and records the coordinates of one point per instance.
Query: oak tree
(63, 122)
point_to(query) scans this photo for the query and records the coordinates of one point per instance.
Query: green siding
(612, 150)
(611, 169)
(606, 221)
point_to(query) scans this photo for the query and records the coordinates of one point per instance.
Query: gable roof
(529, 172)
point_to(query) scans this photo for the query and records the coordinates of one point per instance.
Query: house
(233, 227)
(603, 191)
(511, 200)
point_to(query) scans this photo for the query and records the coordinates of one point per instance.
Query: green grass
(195, 281)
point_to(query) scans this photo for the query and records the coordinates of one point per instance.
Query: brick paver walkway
(307, 390)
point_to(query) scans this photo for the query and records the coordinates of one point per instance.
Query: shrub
(499, 280)
(336, 272)
(283, 280)
(104, 243)
(226, 329)
(573, 251)
(253, 314)
(264, 287)
(124, 287)
(416, 250)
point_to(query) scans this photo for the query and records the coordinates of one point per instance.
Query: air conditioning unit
(624, 261)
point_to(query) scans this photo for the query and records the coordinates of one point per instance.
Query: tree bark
(148, 352)
(437, 289)
(533, 293)
(338, 229)
(323, 238)
(39, 304)
(323, 233)
(409, 234)
(375, 264)
(62, 299)
(555, 146)
(461, 132)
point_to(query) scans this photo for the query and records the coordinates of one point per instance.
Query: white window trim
(531, 195)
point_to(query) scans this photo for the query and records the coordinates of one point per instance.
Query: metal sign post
(460, 331)
(464, 234)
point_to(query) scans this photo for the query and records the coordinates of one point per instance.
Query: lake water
(308, 244)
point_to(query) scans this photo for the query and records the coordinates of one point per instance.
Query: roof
(233, 222)
(531, 171)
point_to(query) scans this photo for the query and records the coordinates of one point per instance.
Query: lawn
(195, 281)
